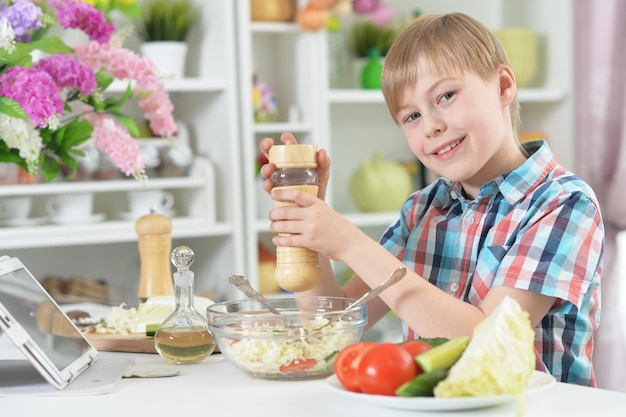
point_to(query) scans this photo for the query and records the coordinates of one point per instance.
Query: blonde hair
(451, 42)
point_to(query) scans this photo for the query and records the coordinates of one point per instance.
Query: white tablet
(39, 328)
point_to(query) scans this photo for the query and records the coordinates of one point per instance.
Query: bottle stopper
(182, 257)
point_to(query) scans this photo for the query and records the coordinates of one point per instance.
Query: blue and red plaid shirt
(538, 228)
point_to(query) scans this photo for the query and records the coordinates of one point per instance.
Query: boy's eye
(411, 117)
(447, 96)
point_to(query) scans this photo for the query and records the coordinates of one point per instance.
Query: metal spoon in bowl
(395, 276)
(242, 284)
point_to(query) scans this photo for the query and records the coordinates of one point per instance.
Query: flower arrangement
(167, 20)
(50, 106)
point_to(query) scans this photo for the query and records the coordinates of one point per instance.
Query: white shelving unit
(208, 201)
(287, 59)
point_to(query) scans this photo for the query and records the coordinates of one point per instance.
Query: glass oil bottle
(184, 336)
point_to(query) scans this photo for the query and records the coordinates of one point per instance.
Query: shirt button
(469, 219)
(454, 287)
(453, 194)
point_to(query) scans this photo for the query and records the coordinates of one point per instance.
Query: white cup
(15, 207)
(142, 202)
(70, 207)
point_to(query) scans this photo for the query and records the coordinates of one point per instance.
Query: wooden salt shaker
(155, 245)
(297, 269)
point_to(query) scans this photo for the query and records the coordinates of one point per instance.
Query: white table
(216, 388)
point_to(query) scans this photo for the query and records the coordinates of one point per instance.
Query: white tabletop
(216, 388)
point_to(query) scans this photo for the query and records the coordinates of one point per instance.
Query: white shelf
(199, 218)
(106, 232)
(281, 127)
(356, 96)
(128, 184)
(278, 27)
(184, 85)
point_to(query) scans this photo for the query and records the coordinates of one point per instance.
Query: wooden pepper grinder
(297, 269)
(155, 244)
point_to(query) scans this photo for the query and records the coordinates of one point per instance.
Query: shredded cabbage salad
(257, 353)
(123, 320)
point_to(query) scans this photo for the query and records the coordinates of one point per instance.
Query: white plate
(129, 216)
(94, 218)
(538, 382)
(29, 221)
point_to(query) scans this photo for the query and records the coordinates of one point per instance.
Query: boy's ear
(508, 87)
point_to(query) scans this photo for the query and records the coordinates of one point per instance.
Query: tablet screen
(40, 317)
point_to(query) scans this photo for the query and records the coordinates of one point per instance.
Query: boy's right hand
(287, 138)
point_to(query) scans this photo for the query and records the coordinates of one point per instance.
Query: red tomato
(415, 347)
(347, 362)
(298, 365)
(384, 368)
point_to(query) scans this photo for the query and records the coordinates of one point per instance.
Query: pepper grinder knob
(182, 257)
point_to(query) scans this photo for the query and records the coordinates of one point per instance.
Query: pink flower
(117, 143)
(74, 14)
(124, 64)
(70, 73)
(35, 91)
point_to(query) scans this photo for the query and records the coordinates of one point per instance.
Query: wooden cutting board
(137, 342)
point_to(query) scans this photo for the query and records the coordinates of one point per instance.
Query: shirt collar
(513, 185)
(516, 184)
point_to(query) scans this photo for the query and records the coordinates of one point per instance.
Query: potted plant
(164, 26)
(365, 35)
(368, 41)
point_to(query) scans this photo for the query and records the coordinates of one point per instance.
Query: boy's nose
(433, 126)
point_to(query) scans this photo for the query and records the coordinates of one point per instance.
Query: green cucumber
(422, 385)
(442, 356)
(152, 328)
(331, 357)
(434, 341)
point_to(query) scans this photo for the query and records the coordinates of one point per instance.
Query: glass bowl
(297, 346)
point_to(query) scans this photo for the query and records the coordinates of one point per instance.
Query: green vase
(370, 75)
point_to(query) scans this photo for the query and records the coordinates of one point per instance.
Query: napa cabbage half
(499, 359)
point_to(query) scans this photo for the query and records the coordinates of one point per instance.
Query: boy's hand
(323, 164)
(310, 223)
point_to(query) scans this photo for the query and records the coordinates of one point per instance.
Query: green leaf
(128, 93)
(76, 133)
(112, 103)
(128, 122)
(49, 167)
(52, 45)
(11, 108)
(103, 80)
(76, 152)
(12, 156)
(20, 56)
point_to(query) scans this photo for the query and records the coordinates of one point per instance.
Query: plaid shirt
(537, 228)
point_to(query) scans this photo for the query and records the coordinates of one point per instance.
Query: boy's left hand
(323, 162)
(310, 223)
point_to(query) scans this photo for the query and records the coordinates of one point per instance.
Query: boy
(504, 219)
